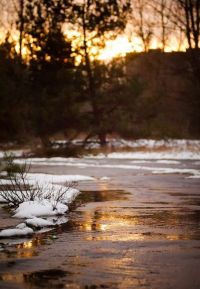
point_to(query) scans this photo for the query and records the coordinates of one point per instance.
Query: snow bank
(39, 222)
(151, 143)
(193, 172)
(164, 155)
(52, 201)
(104, 179)
(173, 158)
(20, 230)
(139, 143)
(194, 177)
(167, 162)
(39, 208)
(2, 200)
(47, 178)
(15, 153)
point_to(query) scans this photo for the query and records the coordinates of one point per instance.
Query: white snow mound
(20, 230)
(39, 208)
(39, 222)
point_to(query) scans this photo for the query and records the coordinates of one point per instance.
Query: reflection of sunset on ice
(117, 233)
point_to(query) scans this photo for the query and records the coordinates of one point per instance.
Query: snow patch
(104, 179)
(167, 162)
(20, 230)
(176, 171)
(39, 222)
(15, 153)
(194, 177)
(42, 178)
(170, 155)
(39, 208)
(51, 202)
(140, 162)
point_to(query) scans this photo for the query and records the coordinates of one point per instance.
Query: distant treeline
(41, 98)
(170, 100)
(152, 94)
(53, 86)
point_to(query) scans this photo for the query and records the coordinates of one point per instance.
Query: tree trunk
(102, 138)
(91, 84)
(21, 27)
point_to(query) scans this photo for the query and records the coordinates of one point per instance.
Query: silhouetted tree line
(46, 91)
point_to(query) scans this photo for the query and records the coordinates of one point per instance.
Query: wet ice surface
(133, 229)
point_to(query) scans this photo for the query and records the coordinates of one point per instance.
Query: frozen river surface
(136, 226)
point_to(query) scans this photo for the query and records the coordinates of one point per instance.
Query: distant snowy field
(156, 157)
(139, 143)
(181, 145)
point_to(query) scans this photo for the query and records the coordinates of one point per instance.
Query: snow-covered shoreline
(42, 212)
(181, 145)
(158, 157)
(157, 165)
(136, 143)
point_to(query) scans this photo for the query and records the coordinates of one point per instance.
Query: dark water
(136, 230)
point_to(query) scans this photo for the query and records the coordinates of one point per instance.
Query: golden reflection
(35, 242)
(27, 249)
(88, 227)
(174, 237)
(104, 187)
(26, 254)
(105, 221)
(104, 227)
(130, 282)
(110, 226)
(72, 286)
(17, 278)
(103, 224)
(117, 237)
(25, 245)
(129, 275)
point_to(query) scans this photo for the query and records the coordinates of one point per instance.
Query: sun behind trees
(59, 87)
(62, 95)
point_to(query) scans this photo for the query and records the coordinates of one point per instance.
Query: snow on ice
(20, 230)
(38, 213)
(32, 209)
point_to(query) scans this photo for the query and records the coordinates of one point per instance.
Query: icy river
(135, 225)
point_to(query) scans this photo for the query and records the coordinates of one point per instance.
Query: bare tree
(143, 23)
(12, 19)
(2, 9)
(186, 14)
(162, 11)
(20, 22)
(7, 18)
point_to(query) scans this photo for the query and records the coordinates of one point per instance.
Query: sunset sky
(128, 42)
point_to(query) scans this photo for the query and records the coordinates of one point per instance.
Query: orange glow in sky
(114, 48)
(118, 47)
(122, 45)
